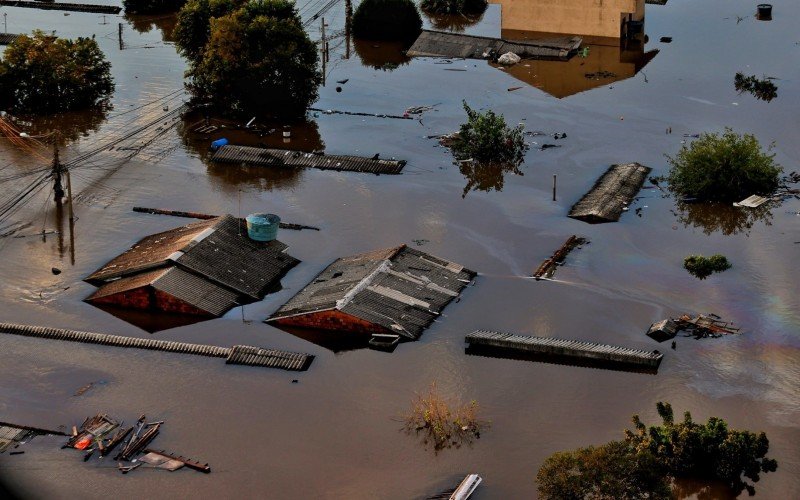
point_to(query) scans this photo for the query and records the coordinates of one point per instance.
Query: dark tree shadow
(486, 176)
(147, 23)
(723, 218)
(454, 22)
(385, 56)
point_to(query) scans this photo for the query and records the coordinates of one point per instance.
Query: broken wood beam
(188, 462)
(548, 268)
(198, 215)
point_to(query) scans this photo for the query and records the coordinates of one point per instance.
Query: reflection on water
(71, 125)
(701, 490)
(305, 136)
(600, 65)
(724, 218)
(386, 56)
(151, 322)
(486, 176)
(145, 23)
(454, 22)
(333, 341)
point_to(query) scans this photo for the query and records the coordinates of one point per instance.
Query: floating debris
(701, 326)
(753, 201)
(13, 435)
(548, 268)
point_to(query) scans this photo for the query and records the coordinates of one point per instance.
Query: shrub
(453, 6)
(255, 60)
(702, 267)
(762, 89)
(390, 20)
(612, 470)
(152, 6)
(643, 465)
(485, 138)
(727, 167)
(441, 423)
(44, 74)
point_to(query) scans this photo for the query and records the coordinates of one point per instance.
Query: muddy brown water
(336, 433)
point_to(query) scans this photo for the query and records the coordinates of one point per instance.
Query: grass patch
(442, 423)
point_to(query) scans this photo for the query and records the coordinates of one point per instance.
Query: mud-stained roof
(298, 159)
(401, 289)
(446, 44)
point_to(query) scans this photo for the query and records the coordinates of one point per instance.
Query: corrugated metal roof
(298, 159)
(446, 44)
(612, 192)
(150, 252)
(228, 257)
(7, 38)
(209, 264)
(400, 289)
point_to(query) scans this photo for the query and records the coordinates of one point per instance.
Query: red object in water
(83, 443)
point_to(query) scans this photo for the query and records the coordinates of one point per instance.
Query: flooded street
(337, 432)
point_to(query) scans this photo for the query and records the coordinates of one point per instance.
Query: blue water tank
(262, 227)
(218, 144)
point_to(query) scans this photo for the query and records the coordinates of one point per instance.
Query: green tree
(44, 74)
(727, 167)
(704, 451)
(152, 6)
(390, 20)
(702, 267)
(486, 138)
(256, 58)
(611, 471)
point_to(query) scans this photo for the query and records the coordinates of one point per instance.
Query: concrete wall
(601, 18)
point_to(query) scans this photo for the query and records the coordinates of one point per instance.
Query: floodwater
(336, 433)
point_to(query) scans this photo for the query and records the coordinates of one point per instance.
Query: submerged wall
(600, 18)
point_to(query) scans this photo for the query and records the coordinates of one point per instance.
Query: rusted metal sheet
(297, 159)
(611, 194)
(446, 44)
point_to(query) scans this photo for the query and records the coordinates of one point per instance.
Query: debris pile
(701, 326)
(548, 268)
(104, 434)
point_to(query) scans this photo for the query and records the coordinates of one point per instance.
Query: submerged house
(389, 294)
(202, 269)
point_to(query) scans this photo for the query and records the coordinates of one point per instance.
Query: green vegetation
(485, 138)
(44, 74)
(248, 58)
(702, 267)
(727, 167)
(152, 6)
(441, 423)
(762, 89)
(613, 470)
(453, 6)
(390, 20)
(644, 464)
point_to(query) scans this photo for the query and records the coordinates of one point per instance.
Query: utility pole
(554, 187)
(121, 47)
(322, 48)
(5, 22)
(58, 189)
(348, 13)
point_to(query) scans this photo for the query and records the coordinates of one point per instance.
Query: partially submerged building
(203, 269)
(610, 19)
(391, 293)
